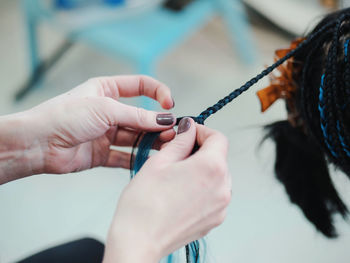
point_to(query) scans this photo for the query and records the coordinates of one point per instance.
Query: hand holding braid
(74, 131)
(158, 211)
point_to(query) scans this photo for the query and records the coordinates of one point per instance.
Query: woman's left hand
(74, 131)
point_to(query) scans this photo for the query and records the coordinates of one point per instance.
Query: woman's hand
(174, 199)
(75, 130)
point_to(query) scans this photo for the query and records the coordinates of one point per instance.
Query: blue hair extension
(345, 147)
(323, 120)
(194, 247)
(346, 50)
(144, 149)
(170, 258)
(347, 68)
(342, 141)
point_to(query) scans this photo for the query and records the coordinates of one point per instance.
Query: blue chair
(140, 39)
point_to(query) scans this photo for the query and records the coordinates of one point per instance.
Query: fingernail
(184, 125)
(165, 118)
(173, 102)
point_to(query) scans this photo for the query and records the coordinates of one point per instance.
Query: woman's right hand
(176, 198)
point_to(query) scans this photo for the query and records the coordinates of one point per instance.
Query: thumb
(116, 113)
(181, 147)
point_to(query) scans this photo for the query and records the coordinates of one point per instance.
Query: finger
(118, 159)
(211, 141)
(115, 113)
(136, 85)
(127, 137)
(163, 145)
(164, 138)
(111, 134)
(181, 147)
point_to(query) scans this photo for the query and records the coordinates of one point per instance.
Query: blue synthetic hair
(323, 119)
(331, 139)
(144, 149)
(342, 139)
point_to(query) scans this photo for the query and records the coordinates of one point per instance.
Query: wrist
(128, 247)
(20, 151)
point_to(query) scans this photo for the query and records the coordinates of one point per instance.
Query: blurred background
(202, 49)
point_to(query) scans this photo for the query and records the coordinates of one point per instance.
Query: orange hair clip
(283, 85)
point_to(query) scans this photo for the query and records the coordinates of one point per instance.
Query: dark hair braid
(306, 100)
(234, 94)
(346, 96)
(330, 85)
(342, 102)
(323, 94)
(331, 100)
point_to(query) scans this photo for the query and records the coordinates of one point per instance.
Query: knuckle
(217, 167)
(180, 144)
(94, 80)
(222, 140)
(220, 218)
(225, 198)
(143, 76)
(141, 116)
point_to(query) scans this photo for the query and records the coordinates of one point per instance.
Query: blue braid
(347, 68)
(345, 147)
(323, 119)
(194, 247)
(144, 148)
(170, 258)
(234, 94)
(346, 50)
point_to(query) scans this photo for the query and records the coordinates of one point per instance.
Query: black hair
(322, 99)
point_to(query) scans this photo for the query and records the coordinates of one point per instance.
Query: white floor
(261, 226)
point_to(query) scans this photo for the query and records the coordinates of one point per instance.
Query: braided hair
(322, 134)
(322, 99)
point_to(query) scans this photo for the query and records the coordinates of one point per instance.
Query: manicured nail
(165, 118)
(184, 125)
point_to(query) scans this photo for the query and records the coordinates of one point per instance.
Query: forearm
(20, 153)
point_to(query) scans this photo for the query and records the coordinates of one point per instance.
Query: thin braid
(332, 112)
(323, 120)
(340, 104)
(223, 102)
(346, 96)
(347, 68)
(306, 95)
(345, 74)
(325, 97)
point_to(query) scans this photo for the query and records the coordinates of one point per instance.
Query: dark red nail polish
(165, 118)
(184, 125)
